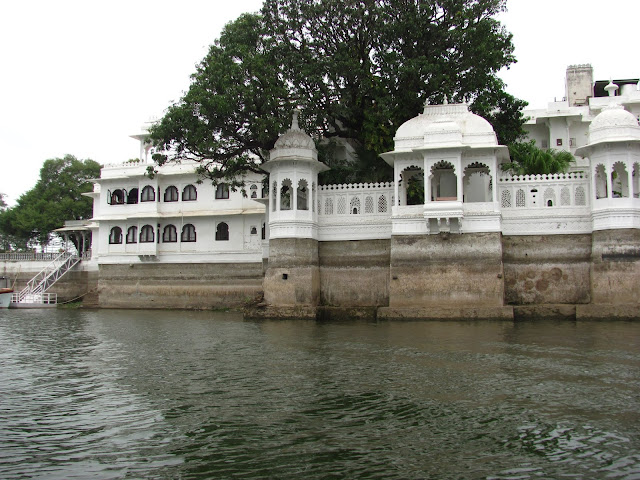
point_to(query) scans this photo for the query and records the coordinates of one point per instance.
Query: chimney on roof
(579, 84)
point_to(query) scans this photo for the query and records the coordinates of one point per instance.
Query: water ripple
(115, 394)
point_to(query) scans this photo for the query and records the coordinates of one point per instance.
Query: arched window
(619, 181)
(117, 197)
(132, 235)
(303, 193)
(146, 234)
(601, 182)
(254, 191)
(171, 194)
(285, 195)
(189, 194)
(169, 234)
(148, 194)
(222, 191)
(188, 233)
(549, 197)
(354, 206)
(520, 198)
(115, 236)
(132, 197)
(222, 231)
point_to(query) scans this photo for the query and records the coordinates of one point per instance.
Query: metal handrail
(48, 276)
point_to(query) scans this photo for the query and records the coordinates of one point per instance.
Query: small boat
(5, 292)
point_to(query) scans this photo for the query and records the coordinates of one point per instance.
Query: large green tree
(357, 69)
(56, 197)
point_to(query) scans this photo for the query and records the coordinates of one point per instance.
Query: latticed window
(328, 206)
(581, 198)
(342, 206)
(368, 205)
(169, 234)
(520, 198)
(254, 191)
(354, 206)
(565, 196)
(505, 199)
(549, 197)
(274, 197)
(382, 204)
(188, 233)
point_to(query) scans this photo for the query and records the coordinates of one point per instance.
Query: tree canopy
(56, 197)
(357, 69)
(528, 159)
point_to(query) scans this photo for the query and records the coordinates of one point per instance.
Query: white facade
(173, 218)
(447, 180)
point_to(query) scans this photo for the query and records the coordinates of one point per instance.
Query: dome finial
(611, 88)
(294, 120)
(446, 100)
(426, 104)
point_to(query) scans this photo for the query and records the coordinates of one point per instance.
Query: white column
(396, 181)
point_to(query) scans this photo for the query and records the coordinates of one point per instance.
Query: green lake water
(201, 395)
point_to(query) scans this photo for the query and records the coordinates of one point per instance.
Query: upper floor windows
(132, 196)
(117, 197)
(148, 194)
(254, 191)
(115, 235)
(222, 191)
(189, 194)
(171, 194)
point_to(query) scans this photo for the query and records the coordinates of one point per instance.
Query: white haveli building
(452, 235)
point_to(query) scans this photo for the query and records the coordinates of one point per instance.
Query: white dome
(445, 125)
(612, 124)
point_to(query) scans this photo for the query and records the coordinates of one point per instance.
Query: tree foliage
(357, 69)
(528, 159)
(56, 197)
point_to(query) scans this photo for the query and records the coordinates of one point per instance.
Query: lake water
(194, 395)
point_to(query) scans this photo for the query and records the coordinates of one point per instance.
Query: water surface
(195, 395)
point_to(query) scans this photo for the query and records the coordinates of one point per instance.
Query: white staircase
(36, 290)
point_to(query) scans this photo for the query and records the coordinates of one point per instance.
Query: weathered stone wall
(292, 276)
(446, 270)
(615, 271)
(354, 273)
(547, 269)
(184, 285)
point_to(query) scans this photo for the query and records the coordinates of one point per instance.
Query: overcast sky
(79, 77)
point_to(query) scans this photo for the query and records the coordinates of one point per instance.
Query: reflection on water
(139, 394)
